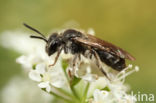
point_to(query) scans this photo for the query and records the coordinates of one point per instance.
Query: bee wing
(104, 45)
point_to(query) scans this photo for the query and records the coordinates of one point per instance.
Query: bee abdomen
(111, 60)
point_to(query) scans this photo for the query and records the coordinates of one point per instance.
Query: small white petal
(24, 61)
(90, 77)
(91, 31)
(58, 83)
(137, 68)
(34, 75)
(105, 93)
(43, 84)
(48, 88)
(130, 66)
(41, 68)
(96, 94)
(101, 97)
(21, 59)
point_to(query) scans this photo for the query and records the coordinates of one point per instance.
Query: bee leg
(75, 61)
(70, 74)
(98, 63)
(56, 58)
(79, 56)
(72, 71)
(65, 49)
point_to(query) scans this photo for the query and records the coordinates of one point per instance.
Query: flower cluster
(87, 86)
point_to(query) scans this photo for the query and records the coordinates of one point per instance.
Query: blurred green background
(130, 24)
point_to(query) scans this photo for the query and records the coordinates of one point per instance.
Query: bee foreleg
(56, 58)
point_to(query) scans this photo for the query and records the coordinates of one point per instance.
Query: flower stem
(74, 92)
(58, 96)
(67, 94)
(85, 93)
(64, 67)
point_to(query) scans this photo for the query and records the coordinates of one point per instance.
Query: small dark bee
(78, 43)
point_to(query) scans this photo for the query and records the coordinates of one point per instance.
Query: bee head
(53, 44)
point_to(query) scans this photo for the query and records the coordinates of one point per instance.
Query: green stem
(74, 92)
(71, 87)
(64, 92)
(66, 75)
(60, 97)
(85, 93)
(67, 94)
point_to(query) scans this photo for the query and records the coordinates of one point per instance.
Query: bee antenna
(26, 25)
(38, 37)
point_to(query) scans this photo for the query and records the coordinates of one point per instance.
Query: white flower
(34, 54)
(45, 85)
(27, 61)
(100, 83)
(48, 77)
(101, 97)
(117, 92)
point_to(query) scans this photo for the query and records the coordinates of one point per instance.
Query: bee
(78, 43)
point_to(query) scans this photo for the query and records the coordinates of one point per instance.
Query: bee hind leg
(99, 65)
